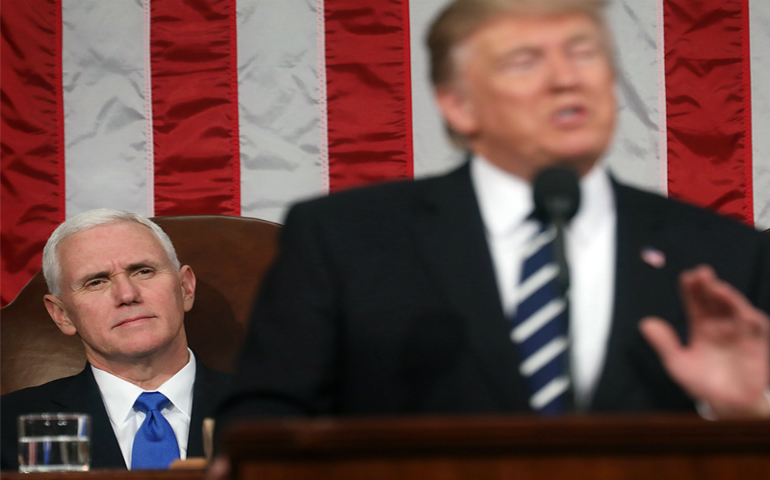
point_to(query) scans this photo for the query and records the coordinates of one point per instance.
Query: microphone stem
(563, 284)
(560, 255)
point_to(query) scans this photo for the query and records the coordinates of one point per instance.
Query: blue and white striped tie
(539, 328)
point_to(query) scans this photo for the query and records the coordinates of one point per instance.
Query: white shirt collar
(597, 204)
(119, 395)
(505, 200)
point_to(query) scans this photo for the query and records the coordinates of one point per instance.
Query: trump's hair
(462, 18)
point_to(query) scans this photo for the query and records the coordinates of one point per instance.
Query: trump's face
(121, 294)
(531, 91)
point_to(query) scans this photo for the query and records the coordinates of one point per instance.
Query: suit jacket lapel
(82, 396)
(205, 392)
(642, 288)
(452, 234)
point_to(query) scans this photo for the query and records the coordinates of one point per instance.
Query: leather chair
(229, 256)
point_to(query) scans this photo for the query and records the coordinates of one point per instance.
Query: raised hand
(726, 362)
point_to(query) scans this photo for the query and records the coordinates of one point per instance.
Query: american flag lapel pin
(653, 257)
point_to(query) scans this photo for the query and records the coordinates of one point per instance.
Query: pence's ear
(187, 281)
(59, 315)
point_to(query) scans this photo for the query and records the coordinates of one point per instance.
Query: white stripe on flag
(634, 156)
(760, 109)
(278, 105)
(323, 103)
(662, 123)
(148, 124)
(104, 110)
(432, 151)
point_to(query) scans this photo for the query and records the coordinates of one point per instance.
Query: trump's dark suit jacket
(383, 301)
(80, 394)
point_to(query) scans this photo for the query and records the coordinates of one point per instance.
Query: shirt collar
(505, 200)
(495, 188)
(119, 395)
(597, 204)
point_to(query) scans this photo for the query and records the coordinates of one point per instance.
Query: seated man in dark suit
(406, 298)
(115, 281)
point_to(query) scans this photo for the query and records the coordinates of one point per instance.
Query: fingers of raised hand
(661, 336)
(718, 310)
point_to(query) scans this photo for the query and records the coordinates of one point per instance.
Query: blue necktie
(539, 328)
(155, 445)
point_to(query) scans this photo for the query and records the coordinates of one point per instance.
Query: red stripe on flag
(748, 151)
(368, 92)
(235, 137)
(407, 38)
(32, 131)
(195, 118)
(707, 101)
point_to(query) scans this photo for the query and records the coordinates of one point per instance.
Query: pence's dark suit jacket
(80, 394)
(383, 301)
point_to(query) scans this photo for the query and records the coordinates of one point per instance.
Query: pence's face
(121, 293)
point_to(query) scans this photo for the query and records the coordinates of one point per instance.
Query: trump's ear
(187, 282)
(59, 315)
(457, 109)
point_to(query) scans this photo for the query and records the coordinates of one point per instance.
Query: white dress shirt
(505, 202)
(119, 396)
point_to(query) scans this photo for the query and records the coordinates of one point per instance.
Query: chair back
(229, 256)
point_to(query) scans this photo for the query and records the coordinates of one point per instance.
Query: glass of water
(54, 442)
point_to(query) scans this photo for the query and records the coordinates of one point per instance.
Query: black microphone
(557, 199)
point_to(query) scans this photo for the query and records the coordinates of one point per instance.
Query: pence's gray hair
(86, 221)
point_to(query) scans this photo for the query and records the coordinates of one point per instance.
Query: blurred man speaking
(115, 281)
(410, 297)
(528, 91)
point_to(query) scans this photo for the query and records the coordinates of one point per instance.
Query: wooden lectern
(481, 448)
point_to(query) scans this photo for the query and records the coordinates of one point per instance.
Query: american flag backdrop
(241, 107)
